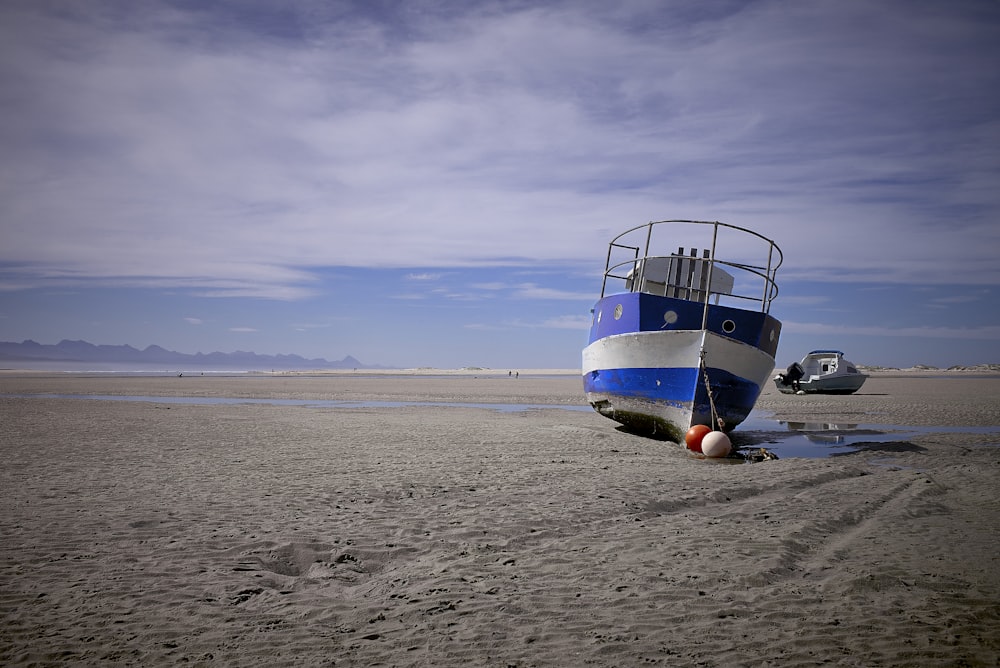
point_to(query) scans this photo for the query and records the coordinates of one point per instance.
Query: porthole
(670, 317)
(618, 311)
(728, 326)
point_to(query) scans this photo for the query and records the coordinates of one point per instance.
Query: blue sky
(434, 183)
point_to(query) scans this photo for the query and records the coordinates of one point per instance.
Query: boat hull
(821, 372)
(846, 384)
(682, 338)
(652, 381)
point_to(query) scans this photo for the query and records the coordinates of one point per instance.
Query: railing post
(711, 265)
(645, 254)
(607, 268)
(766, 301)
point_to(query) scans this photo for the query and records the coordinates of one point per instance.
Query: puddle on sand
(823, 439)
(760, 430)
(308, 403)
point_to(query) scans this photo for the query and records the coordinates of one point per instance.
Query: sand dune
(147, 533)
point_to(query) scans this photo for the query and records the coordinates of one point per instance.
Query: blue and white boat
(683, 338)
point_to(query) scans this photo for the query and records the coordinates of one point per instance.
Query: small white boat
(822, 372)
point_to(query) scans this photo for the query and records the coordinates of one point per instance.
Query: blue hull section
(674, 386)
(638, 312)
(681, 389)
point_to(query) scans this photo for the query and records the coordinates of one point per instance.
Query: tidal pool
(760, 430)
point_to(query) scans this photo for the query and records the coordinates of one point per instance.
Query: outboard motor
(793, 374)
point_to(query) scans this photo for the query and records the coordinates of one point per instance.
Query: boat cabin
(680, 275)
(824, 362)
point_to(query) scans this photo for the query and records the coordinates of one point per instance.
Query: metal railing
(748, 277)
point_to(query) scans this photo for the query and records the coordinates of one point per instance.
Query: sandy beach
(158, 532)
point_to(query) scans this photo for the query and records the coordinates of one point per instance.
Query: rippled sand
(148, 533)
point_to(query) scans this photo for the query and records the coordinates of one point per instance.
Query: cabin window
(728, 326)
(826, 367)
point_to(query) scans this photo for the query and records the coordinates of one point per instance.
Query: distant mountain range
(29, 354)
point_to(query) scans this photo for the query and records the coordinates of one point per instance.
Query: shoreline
(984, 370)
(921, 398)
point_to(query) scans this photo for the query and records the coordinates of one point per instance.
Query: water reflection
(308, 403)
(760, 430)
(828, 439)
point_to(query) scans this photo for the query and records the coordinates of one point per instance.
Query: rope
(708, 389)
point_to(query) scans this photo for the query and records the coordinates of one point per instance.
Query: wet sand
(152, 533)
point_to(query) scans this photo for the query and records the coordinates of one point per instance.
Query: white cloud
(582, 322)
(533, 291)
(235, 162)
(568, 322)
(984, 333)
(957, 299)
(803, 300)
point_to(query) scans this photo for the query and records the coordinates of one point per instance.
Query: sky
(434, 183)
